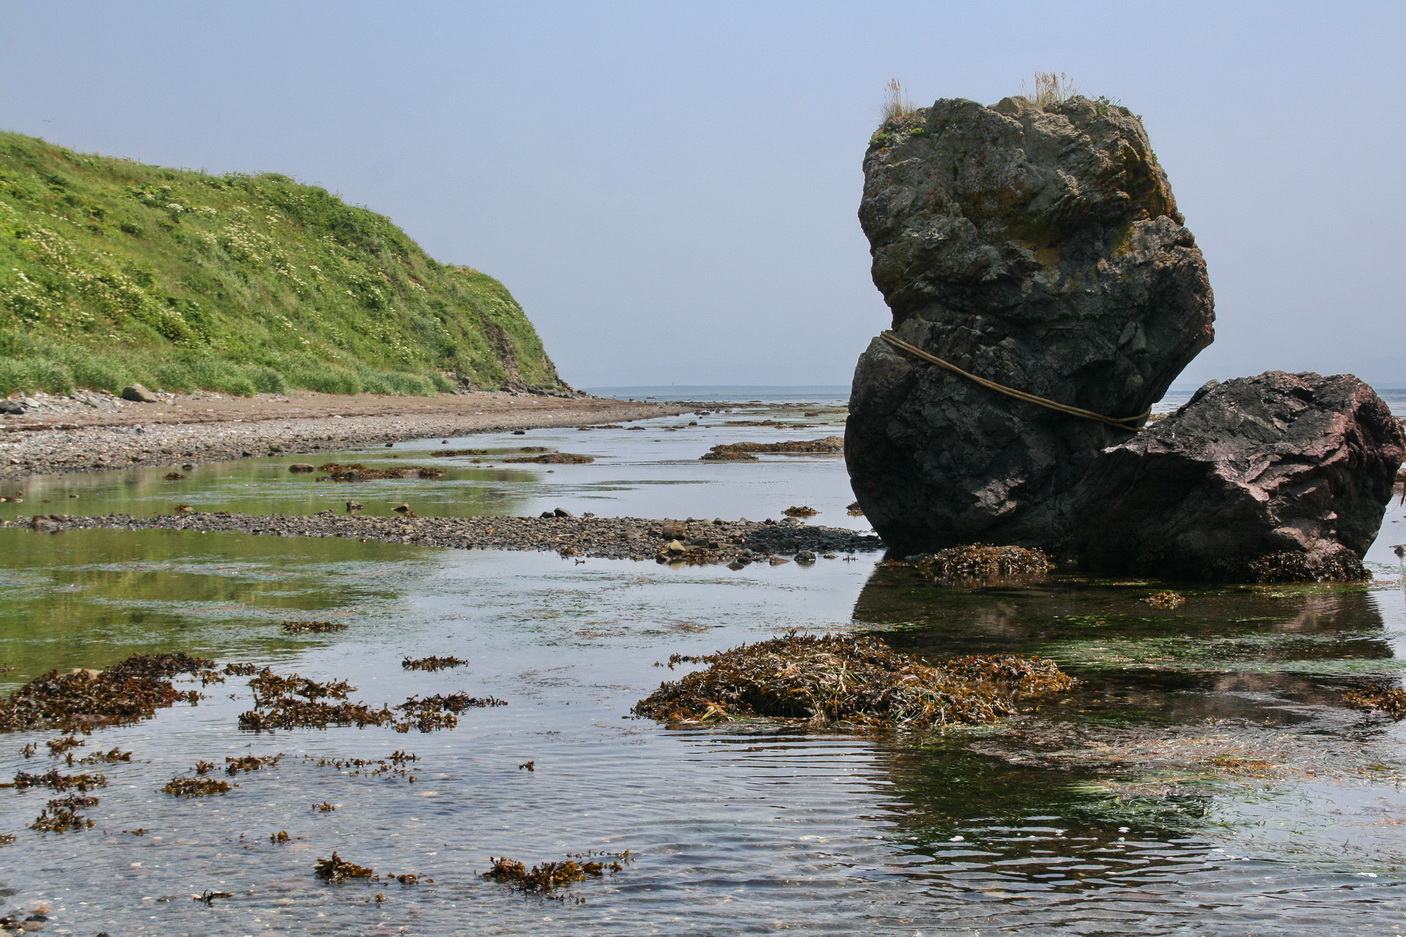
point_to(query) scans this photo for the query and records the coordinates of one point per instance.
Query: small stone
(138, 394)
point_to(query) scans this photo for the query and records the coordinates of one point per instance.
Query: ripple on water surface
(1204, 779)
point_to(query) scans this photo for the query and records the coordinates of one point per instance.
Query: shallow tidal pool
(1205, 777)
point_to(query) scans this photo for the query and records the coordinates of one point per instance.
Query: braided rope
(1128, 423)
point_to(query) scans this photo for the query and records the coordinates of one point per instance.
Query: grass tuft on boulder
(847, 680)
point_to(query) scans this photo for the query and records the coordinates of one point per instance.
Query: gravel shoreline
(116, 440)
(736, 543)
(98, 432)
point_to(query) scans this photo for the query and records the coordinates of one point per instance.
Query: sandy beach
(94, 432)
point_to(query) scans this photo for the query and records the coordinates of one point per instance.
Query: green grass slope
(113, 272)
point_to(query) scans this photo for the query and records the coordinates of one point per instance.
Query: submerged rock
(1038, 248)
(1280, 477)
(743, 451)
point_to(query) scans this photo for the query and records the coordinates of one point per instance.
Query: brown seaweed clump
(431, 663)
(979, 562)
(842, 679)
(313, 627)
(452, 453)
(440, 711)
(1390, 702)
(296, 702)
(58, 782)
(549, 876)
(1165, 600)
(111, 756)
(82, 700)
(62, 816)
(800, 510)
(555, 458)
(196, 787)
(288, 712)
(60, 745)
(250, 763)
(1293, 566)
(356, 472)
(337, 869)
(268, 687)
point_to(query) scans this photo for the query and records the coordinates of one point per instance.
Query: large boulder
(1040, 248)
(1258, 479)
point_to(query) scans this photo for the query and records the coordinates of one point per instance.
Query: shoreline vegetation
(113, 272)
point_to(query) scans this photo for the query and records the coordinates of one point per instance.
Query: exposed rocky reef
(1038, 250)
(694, 542)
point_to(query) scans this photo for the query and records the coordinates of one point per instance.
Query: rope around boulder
(1129, 424)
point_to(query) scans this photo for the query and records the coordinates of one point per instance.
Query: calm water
(1205, 777)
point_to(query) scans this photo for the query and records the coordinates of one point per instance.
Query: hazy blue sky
(670, 188)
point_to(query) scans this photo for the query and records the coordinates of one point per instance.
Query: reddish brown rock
(1280, 477)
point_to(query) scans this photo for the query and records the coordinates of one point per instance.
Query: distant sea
(838, 394)
(827, 394)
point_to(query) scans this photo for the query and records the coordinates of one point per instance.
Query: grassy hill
(113, 272)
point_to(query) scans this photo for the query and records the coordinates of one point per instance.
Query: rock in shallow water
(1038, 248)
(1280, 477)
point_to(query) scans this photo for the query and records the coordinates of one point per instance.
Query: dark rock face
(1270, 478)
(1041, 249)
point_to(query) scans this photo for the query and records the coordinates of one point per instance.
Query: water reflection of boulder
(1227, 653)
(1179, 712)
